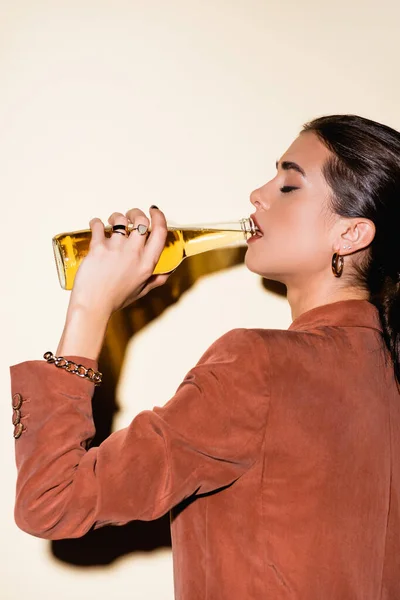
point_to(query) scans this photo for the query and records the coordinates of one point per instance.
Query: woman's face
(292, 211)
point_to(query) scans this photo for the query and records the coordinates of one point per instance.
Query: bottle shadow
(103, 546)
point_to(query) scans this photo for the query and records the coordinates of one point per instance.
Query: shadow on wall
(103, 546)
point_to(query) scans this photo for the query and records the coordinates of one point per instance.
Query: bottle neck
(202, 238)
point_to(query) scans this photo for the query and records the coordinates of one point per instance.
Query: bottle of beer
(182, 241)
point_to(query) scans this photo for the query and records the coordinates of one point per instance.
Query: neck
(305, 298)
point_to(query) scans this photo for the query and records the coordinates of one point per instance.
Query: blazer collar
(345, 313)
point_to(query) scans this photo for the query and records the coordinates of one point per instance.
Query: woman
(279, 454)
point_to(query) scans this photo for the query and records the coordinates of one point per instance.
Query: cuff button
(17, 401)
(18, 429)
(16, 416)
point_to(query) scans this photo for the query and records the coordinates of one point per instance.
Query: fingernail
(154, 206)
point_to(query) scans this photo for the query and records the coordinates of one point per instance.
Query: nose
(257, 199)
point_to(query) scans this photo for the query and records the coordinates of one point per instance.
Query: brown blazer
(279, 457)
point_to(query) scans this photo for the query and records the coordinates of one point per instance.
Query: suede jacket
(278, 458)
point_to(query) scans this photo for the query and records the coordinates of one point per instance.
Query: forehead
(309, 152)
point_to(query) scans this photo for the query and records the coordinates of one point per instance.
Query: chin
(254, 264)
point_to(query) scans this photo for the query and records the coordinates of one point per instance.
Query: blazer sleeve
(207, 436)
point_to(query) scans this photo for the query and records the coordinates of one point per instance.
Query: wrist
(83, 333)
(82, 311)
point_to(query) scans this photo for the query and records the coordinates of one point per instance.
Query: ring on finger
(120, 232)
(117, 228)
(142, 229)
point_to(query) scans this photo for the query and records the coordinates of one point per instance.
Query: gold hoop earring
(337, 264)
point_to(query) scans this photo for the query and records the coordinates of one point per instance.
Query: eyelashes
(286, 189)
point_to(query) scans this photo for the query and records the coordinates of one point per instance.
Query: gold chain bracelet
(72, 367)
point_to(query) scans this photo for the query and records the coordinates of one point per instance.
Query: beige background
(111, 104)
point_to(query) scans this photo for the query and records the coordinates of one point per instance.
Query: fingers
(153, 282)
(97, 227)
(117, 237)
(153, 243)
(137, 216)
(117, 218)
(157, 238)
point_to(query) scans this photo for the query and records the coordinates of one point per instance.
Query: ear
(358, 234)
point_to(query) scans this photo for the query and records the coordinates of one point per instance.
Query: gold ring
(142, 229)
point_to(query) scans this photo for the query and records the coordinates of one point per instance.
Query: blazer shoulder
(290, 337)
(250, 340)
(239, 343)
(290, 347)
(254, 350)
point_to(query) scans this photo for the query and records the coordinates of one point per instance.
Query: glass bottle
(182, 241)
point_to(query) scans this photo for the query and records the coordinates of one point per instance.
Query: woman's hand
(119, 270)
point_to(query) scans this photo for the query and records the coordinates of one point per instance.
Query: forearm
(83, 333)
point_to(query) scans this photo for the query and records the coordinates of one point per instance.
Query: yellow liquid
(71, 248)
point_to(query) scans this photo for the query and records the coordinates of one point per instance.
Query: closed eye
(288, 188)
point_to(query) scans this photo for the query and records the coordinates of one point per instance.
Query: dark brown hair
(364, 175)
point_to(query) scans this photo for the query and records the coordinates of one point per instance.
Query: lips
(259, 231)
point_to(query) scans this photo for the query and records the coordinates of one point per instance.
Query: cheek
(295, 238)
(300, 222)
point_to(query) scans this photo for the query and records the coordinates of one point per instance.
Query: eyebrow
(288, 165)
